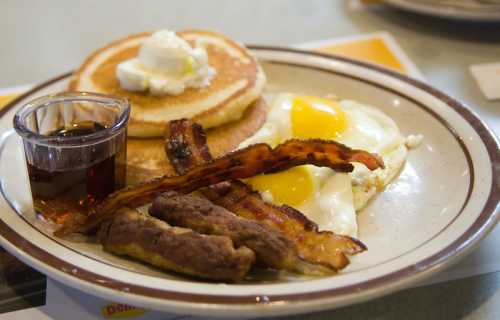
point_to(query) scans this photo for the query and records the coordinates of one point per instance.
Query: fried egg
(329, 198)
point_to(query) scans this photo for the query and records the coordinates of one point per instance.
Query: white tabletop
(41, 39)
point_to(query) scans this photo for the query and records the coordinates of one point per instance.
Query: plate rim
(443, 11)
(484, 223)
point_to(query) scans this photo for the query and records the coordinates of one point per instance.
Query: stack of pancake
(231, 108)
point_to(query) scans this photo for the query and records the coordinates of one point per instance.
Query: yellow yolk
(310, 117)
(315, 117)
(291, 187)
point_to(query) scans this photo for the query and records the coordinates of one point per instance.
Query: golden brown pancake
(146, 158)
(238, 82)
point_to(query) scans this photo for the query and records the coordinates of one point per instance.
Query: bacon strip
(186, 147)
(244, 163)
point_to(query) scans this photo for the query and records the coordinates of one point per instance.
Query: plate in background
(472, 10)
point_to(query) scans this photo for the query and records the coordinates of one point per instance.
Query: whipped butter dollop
(166, 65)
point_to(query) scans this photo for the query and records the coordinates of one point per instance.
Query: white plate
(472, 10)
(442, 204)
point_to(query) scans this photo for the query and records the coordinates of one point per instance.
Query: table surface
(40, 40)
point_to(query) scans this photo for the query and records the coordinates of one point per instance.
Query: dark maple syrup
(83, 177)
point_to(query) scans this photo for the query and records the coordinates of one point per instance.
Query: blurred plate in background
(472, 10)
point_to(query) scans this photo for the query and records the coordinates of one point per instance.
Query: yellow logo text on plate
(121, 311)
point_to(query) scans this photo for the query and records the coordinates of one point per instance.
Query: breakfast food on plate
(329, 198)
(272, 248)
(186, 148)
(199, 75)
(125, 231)
(228, 181)
(177, 249)
(279, 237)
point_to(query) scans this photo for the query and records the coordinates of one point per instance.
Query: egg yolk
(311, 117)
(315, 117)
(292, 187)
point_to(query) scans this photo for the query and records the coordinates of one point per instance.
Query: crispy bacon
(244, 163)
(186, 145)
(186, 148)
